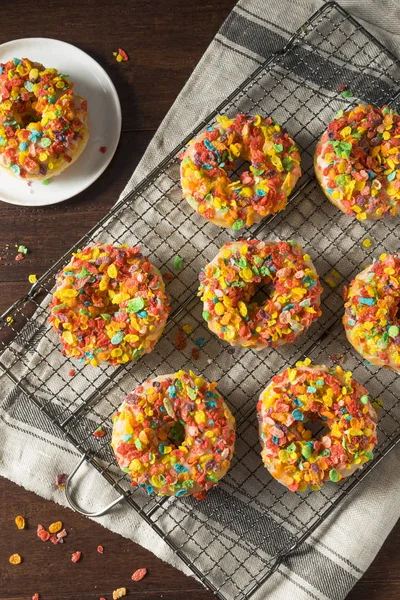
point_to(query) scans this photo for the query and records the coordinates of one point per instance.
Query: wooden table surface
(164, 40)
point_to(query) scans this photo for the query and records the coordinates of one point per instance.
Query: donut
(43, 123)
(229, 283)
(174, 435)
(372, 318)
(109, 305)
(356, 162)
(308, 394)
(261, 190)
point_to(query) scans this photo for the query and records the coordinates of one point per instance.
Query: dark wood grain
(164, 40)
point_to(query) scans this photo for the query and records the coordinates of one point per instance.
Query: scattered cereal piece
(119, 593)
(55, 527)
(195, 354)
(61, 479)
(103, 149)
(168, 276)
(54, 539)
(377, 403)
(333, 278)
(76, 556)
(46, 181)
(187, 328)
(139, 574)
(23, 249)
(32, 278)
(200, 342)
(346, 94)
(20, 522)
(42, 533)
(367, 243)
(99, 432)
(19, 256)
(119, 58)
(9, 320)
(72, 372)
(15, 559)
(61, 534)
(35, 597)
(178, 263)
(123, 54)
(180, 340)
(100, 549)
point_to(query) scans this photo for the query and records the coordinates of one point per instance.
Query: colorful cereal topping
(119, 593)
(357, 162)
(42, 121)
(76, 556)
(229, 282)
(15, 559)
(61, 478)
(306, 394)
(55, 527)
(174, 435)
(20, 522)
(371, 316)
(110, 305)
(262, 190)
(139, 574)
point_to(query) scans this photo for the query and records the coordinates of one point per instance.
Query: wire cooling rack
(249, 524)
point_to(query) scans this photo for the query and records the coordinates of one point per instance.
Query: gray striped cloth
(32, 449)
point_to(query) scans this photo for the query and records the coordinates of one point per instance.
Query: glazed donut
(371, 318)
(356, 162)
(43, 123)
(229, 282)
(174, 435)
(307, 393)
(109, 305)
(262, 190)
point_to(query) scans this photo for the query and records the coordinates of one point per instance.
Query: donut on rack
(357, 162)
(306, 394)
(261, 190)
(229, 282)
(43, 123)
(174, 435)
(372, 317)
(109, 305)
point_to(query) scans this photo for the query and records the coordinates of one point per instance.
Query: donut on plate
(305, 394)
(43, 123)
(243, 199)
(356, 162)
(109, 305)
(229, 282)
(372, 317)
(174, 435)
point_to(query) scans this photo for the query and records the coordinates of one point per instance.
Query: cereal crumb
(20, 522)
(139, 574)
(76, 556)
(119, 593)
(15, 559)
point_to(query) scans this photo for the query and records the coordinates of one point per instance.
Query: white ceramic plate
(91, 82)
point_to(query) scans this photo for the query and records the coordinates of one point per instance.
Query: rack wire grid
(249, 524)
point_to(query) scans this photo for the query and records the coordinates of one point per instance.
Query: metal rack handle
(72, 502)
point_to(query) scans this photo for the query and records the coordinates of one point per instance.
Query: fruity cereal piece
(139, 574)
(20, 522)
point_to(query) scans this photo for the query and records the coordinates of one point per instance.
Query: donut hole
(263, 293)
(317, 427)
(175, 432)
(240, 167)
